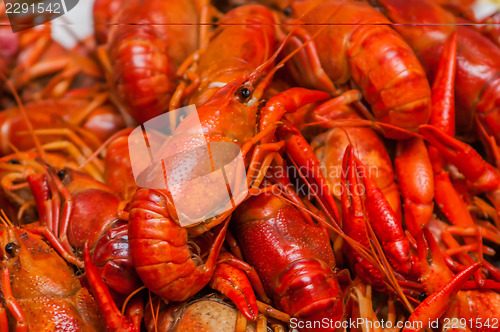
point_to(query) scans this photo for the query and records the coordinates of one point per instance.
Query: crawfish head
(27, 255)
(41, 279)
(231, 112)
(185, 172)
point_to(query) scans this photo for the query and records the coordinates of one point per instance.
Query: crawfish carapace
(294, 259)
(360, 44)
(41, 279)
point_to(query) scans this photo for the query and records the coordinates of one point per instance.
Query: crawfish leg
(94, 167)
(135, 312)
(304, 157)
(233, 283)
(482, 175)
(113, 317)
(241, 322)
(233, 245)
(20, 76)
(416, 182)
(61, 225)
(310, 65)
(104, 60)
(41, 193)
(269, 311)
(261, 324)
(11, 302)
(56, 244)
(435, 305)
(288, 101)
(4, 324)
(250, 272)
(261, 160)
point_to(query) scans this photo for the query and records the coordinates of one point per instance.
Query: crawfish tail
(160, 248)
(144, 73)
(146, 49)
(361, 45)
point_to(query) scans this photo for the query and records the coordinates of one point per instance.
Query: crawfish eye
(422, 297)
(14, 162)
(245, 93)
(11, 248)
(61, 174)
(288, 11)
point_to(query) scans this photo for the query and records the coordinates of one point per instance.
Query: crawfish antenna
(104, 145)
(5, 220)
(25, 115)
(262, 68)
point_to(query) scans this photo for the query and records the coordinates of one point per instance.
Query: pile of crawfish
(369, 133)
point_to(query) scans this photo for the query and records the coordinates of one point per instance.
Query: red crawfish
(477, 81)
(33, 278)
(446, 300)
(144, 51)
(363, 203)
(360, 45)
(156, 238)
(293, 257)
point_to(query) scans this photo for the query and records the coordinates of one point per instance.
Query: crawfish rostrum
(368, 132)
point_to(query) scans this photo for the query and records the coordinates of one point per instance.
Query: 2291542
(478, 322)
(32, 8)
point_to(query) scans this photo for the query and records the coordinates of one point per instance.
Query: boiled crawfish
(478, 59)
(35, 277)
(351, 48)
(228, 116)
(294, 259)
(143, 59)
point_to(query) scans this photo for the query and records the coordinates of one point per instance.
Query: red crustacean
(362, 203)
(477, 81)
(159, 245)
(46, 69)
(33, 278)
(63, 199)
(63, 202)
(352, 49)
(58, 120)
(229, 115)
(144, 52)
(256, 48)
(293, 258)
(473, 307)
